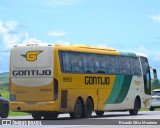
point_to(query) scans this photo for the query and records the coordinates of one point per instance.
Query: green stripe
(125, 88)
(120, 89)
(116, 90)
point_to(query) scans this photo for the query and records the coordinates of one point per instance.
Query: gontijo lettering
(31, 72)
(92, 80)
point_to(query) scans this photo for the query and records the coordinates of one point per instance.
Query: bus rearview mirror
(155, 73)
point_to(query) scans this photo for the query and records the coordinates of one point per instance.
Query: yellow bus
(47, 80)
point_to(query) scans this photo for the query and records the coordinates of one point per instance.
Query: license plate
(31, 103)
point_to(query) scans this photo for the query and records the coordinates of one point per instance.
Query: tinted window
(100, 63)
(88, 63)
(124, 65)
(76, 62)
(145, 65)
(66, 62)
(112, 64)
(135, 66)
(146, 75)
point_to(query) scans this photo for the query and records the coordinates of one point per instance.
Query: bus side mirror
(154, 73)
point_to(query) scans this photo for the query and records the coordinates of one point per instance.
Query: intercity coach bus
(47, 80)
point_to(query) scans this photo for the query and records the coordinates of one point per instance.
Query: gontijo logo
(31, 55)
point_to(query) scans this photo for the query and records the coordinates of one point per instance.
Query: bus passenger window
(112, 64)
(88, 63)
(135, 66)
(66, 66)
(76, 62)
(100, 63)
(124, 65)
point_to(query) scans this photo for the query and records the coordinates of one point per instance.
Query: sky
(126, 25)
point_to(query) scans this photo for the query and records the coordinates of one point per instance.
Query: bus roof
(91, 48)
(86, 47)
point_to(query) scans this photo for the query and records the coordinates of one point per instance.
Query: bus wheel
(5, 111)
(99, 113)
(151, 108)
(134, 111)
(36, 115)
(51, 115)
(77, 110)
(88, 108)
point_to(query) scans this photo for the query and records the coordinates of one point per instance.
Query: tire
(50, 115)
(99, 113)
(77, 110)
(88, 108)
(5, 111)
(135, 110)
(151, 108)
(37, 115)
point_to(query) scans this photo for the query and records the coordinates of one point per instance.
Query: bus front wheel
(135, 110)
(77, 113)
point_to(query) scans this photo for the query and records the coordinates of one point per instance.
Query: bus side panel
(136, 85)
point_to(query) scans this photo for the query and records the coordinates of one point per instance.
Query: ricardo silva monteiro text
(141, 122)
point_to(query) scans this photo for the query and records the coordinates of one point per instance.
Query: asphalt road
(110, 119)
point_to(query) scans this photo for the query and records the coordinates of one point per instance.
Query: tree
(155, 82)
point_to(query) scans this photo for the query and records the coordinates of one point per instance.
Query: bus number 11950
(67, 79)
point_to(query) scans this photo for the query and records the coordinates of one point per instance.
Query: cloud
(57, 33)
(11, 33)
(155, 18)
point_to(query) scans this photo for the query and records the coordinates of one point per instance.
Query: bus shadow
(109, 116)
(117, 115)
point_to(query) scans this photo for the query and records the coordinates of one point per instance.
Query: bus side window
(100, 63)
(135, 66)
(88, 63)
(124, 65)
(76, 62)
(66, 62)
(112, 64)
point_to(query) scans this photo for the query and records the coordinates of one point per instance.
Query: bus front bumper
(33, 106)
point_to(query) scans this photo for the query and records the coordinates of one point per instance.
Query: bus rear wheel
(99, 113)
(77, 110)
(87, 112)
(135, 110)
(36, 115)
